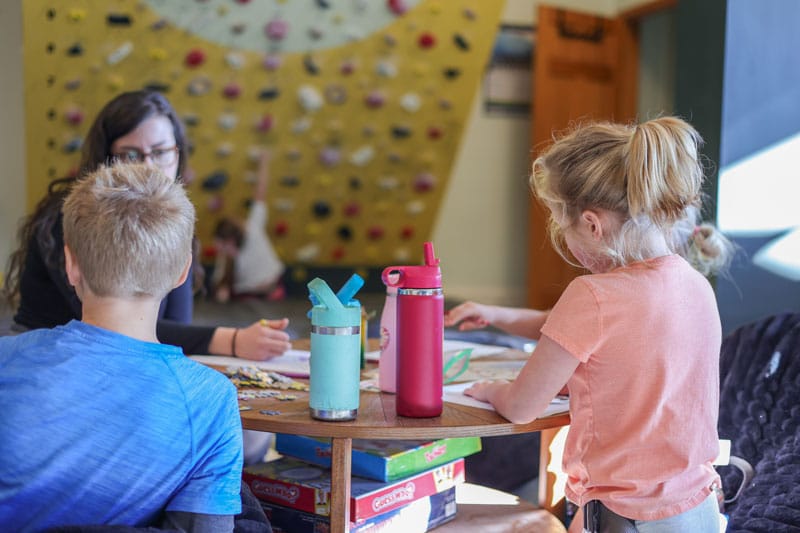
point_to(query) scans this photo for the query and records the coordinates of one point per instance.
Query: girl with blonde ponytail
(635, 341)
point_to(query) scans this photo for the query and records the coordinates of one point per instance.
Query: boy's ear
(72, 268)
(185, 272)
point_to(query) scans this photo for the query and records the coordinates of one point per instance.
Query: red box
(306, 487)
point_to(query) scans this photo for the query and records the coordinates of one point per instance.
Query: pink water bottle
(420, 335)
(387, 368)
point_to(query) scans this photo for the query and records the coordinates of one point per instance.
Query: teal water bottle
(335, 354)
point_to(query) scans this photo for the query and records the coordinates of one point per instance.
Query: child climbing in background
(246, 263)
(637, 340)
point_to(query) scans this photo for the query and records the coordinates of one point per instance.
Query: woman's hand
(469, 316)
(262, 340)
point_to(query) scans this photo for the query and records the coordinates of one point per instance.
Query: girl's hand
(485, 390)
(469, 316)
(263, 340)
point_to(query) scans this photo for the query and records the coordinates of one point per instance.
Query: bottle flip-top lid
(427, 276)
(329, 310)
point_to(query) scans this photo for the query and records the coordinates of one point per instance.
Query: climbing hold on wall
(115, 82)
(461, 42)
(402, 255)
(424, 182)
(321, 209)
(435, 132)
(338, 253)
(271, 61)
(415, 207)
(281, 228)
(290, 181)
(227, 121)
(157, 86)
(398, 7)
(225, 149)
(215, 181)
(401, 132)
(199, 86)
(307, 253)
(309, 97)
(232, 91)
(215, 203)
(74, 116)
(374, 99)
(238, 28)
(315, 32)
(73, 145)
(74, 15)
(406, 232)
(157, 54)
(410, 102)
(352, 209)
(426, 40)
(75, 50)
(118, 19)
(269, 93)
(235, 60)
(119, 53)
(330, 156)
(195, 58)
(362, 156)
(355, 183)
(388, 183)
(347, 67)
(301, 125)
(336, 94)
(375, 232)
(310, 65)
(283, 205)
(452, 73)
(191, 119)
(276, 29)
(72, 84)
(386, 69)
(345, 233)
(265, 123)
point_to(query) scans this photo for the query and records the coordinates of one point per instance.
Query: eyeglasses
(162, 157)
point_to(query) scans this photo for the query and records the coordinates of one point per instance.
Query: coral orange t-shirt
(645, 397)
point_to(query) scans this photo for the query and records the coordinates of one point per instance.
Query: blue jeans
(703, 518)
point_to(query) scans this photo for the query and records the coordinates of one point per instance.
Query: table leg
(341, 449)
(549, 497)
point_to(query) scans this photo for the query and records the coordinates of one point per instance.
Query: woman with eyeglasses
(139, 126)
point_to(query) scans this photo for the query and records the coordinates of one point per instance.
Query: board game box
(306, 487)
(384, 460)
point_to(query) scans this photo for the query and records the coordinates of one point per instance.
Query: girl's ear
(593, 222)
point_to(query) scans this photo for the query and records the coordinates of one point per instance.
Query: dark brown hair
(118, 117)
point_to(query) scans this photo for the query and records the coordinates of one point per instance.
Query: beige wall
(12, 124)
(481, 231)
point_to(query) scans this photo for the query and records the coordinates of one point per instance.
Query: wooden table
(377, 419)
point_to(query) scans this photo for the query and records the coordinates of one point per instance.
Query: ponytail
(663, 170)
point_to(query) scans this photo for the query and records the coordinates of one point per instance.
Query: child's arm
(517, 321)
(543, 376)
(262, 179)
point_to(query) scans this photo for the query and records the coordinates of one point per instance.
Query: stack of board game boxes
(397, 486)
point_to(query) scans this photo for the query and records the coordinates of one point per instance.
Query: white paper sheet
(455, 394)
(293, 363)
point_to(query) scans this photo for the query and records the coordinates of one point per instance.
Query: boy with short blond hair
(101, 423)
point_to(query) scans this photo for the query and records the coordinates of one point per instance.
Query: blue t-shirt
(100, 428)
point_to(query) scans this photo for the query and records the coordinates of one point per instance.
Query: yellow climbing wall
(362, 103)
